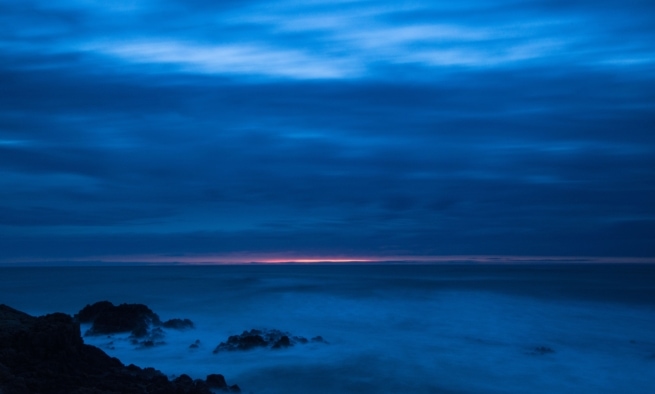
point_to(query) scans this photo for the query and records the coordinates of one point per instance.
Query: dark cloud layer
(368, 130)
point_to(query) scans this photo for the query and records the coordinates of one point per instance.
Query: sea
(387, 328)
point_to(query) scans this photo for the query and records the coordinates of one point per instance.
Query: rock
(195, 344)
(178, 324)
(89, 313)
(148, 343)
(138, 319)
(47, 355)
(282, 342)
(274, 339)
(157, 333)
(140, 331)
(109, 319)
(542, 350)
(245, 341)
(152, 338)
(216, 381)
(184, 381)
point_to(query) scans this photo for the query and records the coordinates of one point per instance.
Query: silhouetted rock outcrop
(217, 381)
(107, 318)
(46, 355)
(141, 322)
(178, 324)
(274, 339)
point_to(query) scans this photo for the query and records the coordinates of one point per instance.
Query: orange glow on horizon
(279, 258)
(310, 261)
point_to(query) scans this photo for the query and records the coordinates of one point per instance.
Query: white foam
(385, 333)
(419, 344)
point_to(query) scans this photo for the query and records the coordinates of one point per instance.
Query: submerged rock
(47, 355)
(152, 338)
(542, 350)
(274, 339)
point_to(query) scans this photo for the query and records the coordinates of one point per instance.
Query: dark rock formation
(46, 355)
(90, 312)
(152, 338)
(217, 381)
(195, 345)
(178, 324)
(541, 350)
(284, 341)
(137, 319)
(108, 318)
(274, 339)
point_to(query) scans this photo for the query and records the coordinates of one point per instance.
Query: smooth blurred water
(390, 328)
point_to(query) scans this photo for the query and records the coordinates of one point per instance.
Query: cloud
(422, 128)
(230, 59)
(326, 40)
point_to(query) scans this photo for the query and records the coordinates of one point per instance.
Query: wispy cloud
(230, 59)
(324, 40)
(317, 128)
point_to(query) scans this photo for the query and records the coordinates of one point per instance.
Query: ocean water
(389, 328)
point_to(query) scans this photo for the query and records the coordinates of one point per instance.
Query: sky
(213, 131)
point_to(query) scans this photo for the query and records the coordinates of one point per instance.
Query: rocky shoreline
(46, 355)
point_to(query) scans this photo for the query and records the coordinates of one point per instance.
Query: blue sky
(216, 131)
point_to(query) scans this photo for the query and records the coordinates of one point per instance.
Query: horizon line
(379, 260)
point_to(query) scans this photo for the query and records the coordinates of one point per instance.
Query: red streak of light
(281, 258)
